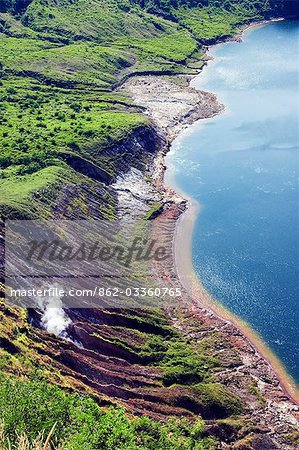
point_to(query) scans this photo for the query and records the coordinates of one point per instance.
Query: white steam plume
(54, 318)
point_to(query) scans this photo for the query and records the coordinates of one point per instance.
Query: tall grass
(23, 442)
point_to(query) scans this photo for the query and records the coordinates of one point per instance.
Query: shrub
(182, 375)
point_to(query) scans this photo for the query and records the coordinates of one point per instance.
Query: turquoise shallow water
(243, 168)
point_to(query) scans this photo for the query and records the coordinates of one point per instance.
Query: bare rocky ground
(171, 102)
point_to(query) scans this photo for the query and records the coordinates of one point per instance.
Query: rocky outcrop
(171, 102)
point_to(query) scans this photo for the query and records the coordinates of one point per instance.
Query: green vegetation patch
(38, 126)
(166, 53)
(17, 192)
(75, 64)
(98, 20)
(12, 48)
(180, 362)
(218, 400)
(210, 20)
(32, 407)
(212, 23)
(10, 26)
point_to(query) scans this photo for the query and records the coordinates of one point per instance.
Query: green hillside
(60, 59)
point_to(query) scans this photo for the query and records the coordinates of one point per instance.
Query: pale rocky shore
(173, 105)
(171, 102)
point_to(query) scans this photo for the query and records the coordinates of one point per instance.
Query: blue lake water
(243, 167)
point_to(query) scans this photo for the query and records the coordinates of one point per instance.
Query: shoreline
(186, 271)
(204, 105)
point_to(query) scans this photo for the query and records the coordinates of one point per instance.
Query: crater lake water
(242, 167)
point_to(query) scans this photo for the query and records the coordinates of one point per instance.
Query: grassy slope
(96, 20)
